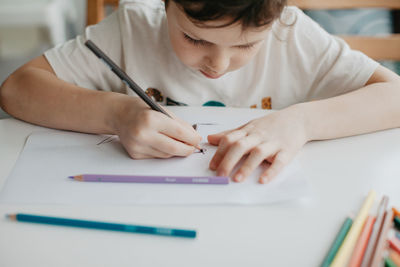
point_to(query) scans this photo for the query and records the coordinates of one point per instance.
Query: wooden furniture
(379, 48)
(96, 10)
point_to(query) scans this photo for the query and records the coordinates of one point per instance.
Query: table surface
(341, 173)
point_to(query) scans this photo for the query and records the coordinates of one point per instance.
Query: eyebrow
(193, 36)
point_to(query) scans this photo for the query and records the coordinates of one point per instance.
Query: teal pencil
(103, 225)
(397, 222)
(337, 243)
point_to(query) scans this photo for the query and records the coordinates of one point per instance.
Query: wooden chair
(96, 10)
(379, 48)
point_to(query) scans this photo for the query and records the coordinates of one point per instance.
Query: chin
(211, 76)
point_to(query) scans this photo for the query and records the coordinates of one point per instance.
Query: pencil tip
(72, 177)
(11, 216)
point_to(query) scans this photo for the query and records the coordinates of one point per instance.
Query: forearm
(371, 108)
(38, 96)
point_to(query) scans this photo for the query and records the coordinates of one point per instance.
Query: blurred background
(30, 27)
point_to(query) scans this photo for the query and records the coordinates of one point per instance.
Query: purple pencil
(151, 179)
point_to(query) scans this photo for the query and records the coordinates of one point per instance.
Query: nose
(218, 61)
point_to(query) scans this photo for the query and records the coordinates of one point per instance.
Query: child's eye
(194, 41)
(246, 47)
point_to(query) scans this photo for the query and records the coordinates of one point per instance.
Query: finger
(214, 139)
(280, 160)
(226, 141)
(182, 132)
(255, 158)
(186, 124)
(171, 146)
(235, 152)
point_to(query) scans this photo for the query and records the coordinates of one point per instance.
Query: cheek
(242, 58)
(187, 53)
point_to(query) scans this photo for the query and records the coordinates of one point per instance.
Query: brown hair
(250, 13)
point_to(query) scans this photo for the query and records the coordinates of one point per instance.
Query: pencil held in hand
(128, 81)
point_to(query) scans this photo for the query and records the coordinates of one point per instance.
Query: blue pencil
(103, 225)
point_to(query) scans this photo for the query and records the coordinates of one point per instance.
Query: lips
(211, 76)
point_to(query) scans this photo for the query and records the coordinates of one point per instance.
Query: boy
(234, 53)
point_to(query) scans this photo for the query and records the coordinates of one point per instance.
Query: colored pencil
(397, 222)
(377, 257)
(395, 257)
(375, 232)
(337, 242)
(362, 242)
(103, 225)
(396, 212)
(128, 81)
(389, 263)
(109, 178)
(124, 77)
(394, 243)
(346, 248)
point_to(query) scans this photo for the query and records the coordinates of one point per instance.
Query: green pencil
(389, 263)
(337, 243)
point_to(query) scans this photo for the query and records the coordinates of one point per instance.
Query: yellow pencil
(347, 247)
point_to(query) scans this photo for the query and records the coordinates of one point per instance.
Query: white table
(296, 233)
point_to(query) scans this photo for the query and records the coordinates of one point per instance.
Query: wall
(19, 44)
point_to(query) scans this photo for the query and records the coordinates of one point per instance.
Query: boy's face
(212, 51)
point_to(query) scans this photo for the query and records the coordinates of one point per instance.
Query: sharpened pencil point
(72, 177)
(11, 216)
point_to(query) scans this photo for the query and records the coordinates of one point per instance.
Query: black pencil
(124, 77)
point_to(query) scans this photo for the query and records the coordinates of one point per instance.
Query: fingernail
(238, 178)
(264, 180)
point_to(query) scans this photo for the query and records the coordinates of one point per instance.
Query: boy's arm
(372, 108)
(33, 93)
(277, 137)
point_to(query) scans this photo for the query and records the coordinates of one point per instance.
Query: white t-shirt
(298, 62)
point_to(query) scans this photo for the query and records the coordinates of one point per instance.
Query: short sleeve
(327, 63)
(73, 62)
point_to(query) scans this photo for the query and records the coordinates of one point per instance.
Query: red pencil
(362, 242)
(394, 243)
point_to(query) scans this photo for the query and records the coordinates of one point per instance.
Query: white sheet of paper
(40, 175)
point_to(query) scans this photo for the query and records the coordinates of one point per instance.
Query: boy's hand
(276, 138)
(146, 133)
